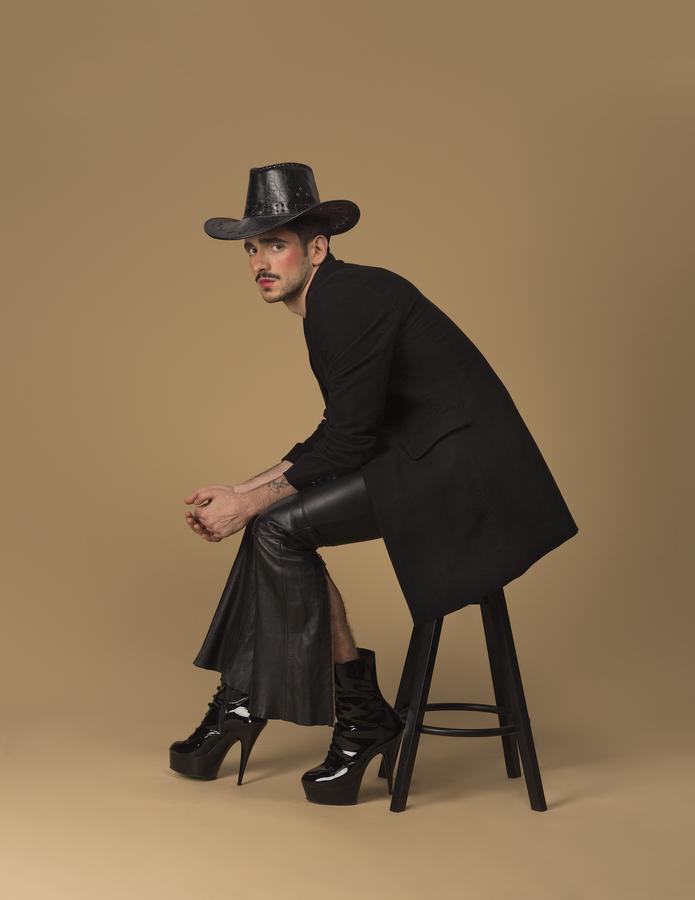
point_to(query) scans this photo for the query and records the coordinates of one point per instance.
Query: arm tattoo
(277, 484)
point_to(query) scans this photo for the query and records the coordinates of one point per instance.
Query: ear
(318, 249)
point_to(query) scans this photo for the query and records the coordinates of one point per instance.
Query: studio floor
(103, 817)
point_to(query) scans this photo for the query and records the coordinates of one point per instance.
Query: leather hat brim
(340, 215)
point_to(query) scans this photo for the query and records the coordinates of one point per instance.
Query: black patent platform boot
(226, 722)
(366, 725)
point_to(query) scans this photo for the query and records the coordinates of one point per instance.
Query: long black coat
(462, 494)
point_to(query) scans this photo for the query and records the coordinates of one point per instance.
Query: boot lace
(220, 702)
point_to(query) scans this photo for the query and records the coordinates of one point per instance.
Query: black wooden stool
(510, 704)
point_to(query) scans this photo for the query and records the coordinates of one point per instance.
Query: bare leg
(344, 647)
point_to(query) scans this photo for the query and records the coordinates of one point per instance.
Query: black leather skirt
(270, 635)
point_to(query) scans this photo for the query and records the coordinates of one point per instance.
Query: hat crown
(280, 188)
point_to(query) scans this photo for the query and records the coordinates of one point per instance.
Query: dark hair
(307, 227)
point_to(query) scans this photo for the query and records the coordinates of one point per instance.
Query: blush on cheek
(291, 256)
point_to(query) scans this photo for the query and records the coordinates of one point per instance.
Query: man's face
(280, 265)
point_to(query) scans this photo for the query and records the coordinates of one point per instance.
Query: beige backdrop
(529, 167)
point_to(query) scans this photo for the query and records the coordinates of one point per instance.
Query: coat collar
(325, 269)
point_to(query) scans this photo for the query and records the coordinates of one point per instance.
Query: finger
(206, 491)
(199, 495)
(204, 530)
(210, 533)
(194, 524)
(199, 528)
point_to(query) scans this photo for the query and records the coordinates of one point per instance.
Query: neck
(298, 303)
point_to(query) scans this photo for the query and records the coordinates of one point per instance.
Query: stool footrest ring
(469, 732)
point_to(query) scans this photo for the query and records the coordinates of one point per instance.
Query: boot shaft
(358, 698)
(366, 724)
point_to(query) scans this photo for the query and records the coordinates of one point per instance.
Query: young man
(420, 444)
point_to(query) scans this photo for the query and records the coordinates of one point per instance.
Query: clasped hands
(221, 510)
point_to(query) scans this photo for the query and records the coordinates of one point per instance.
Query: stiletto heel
(227, 721)
(366, 726)
(248, 737)
(389, 756)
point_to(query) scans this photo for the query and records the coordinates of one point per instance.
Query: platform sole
(344, 790)
(206, 766)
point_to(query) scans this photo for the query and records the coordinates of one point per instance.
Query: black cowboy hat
(277, 194)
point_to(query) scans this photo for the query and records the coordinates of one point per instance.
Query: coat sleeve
(355, 335)
(296, 451)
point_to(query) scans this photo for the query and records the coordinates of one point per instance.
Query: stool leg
(492, 640)
(406, 684)
(517, 701)
(427, 641)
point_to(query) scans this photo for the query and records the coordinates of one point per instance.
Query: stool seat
(510, 704)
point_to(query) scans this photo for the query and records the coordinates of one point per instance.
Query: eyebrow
(270, 240)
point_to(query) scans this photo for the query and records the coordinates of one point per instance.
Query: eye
(278, 245)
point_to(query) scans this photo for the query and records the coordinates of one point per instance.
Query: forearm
(266, 494)
(263, 477)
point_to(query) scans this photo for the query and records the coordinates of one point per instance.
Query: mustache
(263, 275)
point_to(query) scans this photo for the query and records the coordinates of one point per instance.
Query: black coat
(462, 494)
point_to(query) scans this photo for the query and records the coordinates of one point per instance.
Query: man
(420, 444)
